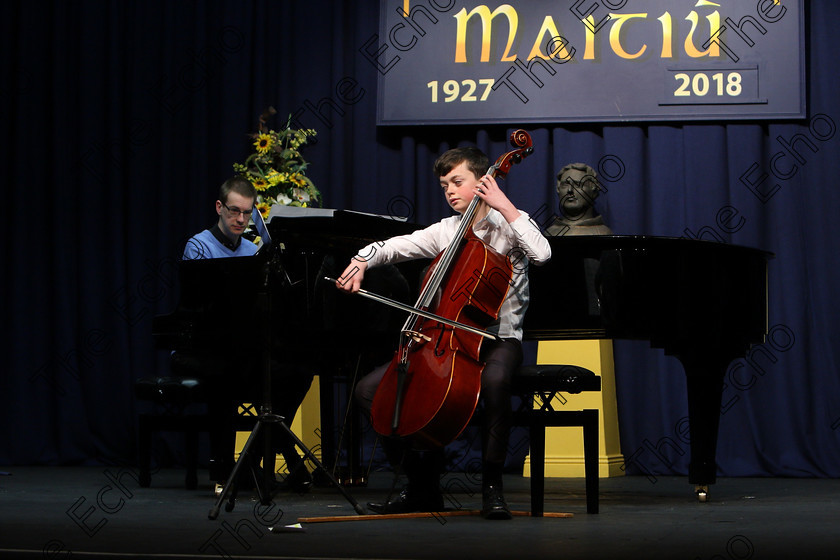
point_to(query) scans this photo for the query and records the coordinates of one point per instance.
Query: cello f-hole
(438, 351)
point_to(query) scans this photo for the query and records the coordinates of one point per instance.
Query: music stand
(246, 460)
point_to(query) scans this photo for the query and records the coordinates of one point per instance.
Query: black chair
(171, 398)
(538, 384)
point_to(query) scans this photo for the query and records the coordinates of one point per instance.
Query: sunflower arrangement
(277, 169)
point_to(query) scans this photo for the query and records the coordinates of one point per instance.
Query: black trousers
(501, 359)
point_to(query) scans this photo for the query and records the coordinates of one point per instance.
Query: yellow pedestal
(564, 445)
(306, 426)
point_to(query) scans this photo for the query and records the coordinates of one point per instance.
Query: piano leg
(704, 375)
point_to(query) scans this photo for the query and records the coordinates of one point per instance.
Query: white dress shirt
(520, 240)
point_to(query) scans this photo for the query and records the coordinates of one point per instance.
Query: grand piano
(700, 301)
(703, 302)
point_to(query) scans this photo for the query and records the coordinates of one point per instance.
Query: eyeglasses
(236, 211)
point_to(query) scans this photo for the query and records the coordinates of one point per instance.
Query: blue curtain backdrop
(121, 118)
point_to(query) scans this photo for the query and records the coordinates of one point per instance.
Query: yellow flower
(259, 183)
(264, 207)
(264, 143)
(273, 177)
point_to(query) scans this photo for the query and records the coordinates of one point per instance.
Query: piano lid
(671, 291)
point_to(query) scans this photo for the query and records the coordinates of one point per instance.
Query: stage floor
(101, 512)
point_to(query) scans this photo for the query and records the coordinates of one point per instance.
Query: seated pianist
(222, 367)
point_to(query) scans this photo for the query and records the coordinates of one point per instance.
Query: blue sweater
(204, 245)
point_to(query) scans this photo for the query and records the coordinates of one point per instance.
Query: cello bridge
(417, 337)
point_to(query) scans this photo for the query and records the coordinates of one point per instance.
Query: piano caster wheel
(702, 492)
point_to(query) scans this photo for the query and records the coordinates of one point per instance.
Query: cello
(431, 387)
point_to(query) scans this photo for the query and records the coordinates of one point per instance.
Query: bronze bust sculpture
(577, 188)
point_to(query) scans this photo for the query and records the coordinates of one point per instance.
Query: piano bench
(538, 384)
(171, 396)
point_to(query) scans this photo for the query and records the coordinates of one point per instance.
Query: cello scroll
(525, 147)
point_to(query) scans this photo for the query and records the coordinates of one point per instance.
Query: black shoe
(493, 505)
(409, 502)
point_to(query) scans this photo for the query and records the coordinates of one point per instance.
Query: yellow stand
(564, 445)
(306, 426)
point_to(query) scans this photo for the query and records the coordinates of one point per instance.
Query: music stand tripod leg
(308, 453)
(230, 489)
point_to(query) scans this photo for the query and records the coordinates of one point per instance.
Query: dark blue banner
(463, 61)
